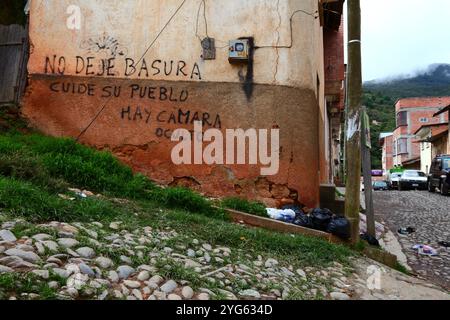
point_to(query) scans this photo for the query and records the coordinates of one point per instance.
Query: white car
(393, 180)
(413, 179)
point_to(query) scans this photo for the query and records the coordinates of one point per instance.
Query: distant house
(386, 143)
(411, 115)
(433, 140)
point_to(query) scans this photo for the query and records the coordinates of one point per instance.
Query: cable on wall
(315, 15)
(140, 59)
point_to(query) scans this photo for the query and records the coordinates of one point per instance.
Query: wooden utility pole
(353, 134)
(367, 172)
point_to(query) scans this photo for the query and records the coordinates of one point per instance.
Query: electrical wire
(104, 106)
(203, 4)
(315, 15)
(162, 30)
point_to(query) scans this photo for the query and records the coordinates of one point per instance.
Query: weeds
(34, 168)
(28, 283)
(37, 205)
(252, 207)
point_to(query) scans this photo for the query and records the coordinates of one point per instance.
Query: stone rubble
(96, 261)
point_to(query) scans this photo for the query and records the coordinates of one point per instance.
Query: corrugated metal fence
(13, 60)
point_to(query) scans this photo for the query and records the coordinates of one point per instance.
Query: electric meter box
(239, 51)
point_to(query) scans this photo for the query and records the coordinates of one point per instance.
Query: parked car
(439, 176)
(393, 179)
(413, 179)
(380, 186)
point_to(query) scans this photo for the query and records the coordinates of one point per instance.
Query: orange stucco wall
(75, 74)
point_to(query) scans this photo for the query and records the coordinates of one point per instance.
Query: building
(124, 75)
(386, 143)
(432, 139)
(441, 112)
(411, 114)
(334, 89)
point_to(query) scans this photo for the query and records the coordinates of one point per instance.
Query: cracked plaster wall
(287, 86)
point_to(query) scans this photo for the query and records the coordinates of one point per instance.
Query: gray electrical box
(239, 51)
(209, 49)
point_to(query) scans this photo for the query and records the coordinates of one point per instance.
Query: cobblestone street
(429, 214)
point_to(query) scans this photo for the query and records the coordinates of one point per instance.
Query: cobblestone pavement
(429, 214)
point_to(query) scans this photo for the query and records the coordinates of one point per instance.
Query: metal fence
(13, 61)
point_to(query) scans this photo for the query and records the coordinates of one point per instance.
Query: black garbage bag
(371, 240)
(321, 218)
(303, 221)
(298, 211)
(340, 227)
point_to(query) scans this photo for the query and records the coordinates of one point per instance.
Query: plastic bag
(303, 221)
(298, 211)
(370, 240)
(321, 218)
(281, 215)
(340, 227)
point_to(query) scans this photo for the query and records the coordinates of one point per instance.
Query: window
(402, 146)
(402, 118)
(423, 120)
(414, 174)
(446, 163)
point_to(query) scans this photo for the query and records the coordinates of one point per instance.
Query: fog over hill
(380, 96)
(432, 81)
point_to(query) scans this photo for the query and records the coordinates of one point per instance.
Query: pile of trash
(317, 219)
(422, 249)
(379, 228)
(80, 194)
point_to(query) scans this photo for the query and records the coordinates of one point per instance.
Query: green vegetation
(252, 207)
(401, 268)
(380, 98)
(39, 167)
(36, 204)
(27, 283)
(36, 170)
(433, 82)
(382, 114)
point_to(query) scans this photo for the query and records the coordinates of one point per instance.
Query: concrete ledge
(380, 256)
(375, 254)
(274, 225)
(328, 200)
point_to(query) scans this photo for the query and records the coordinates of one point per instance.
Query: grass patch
(401, 268)
(55, 163)
(34, 168)
(170, 269)
(61, 158)
(20, 283)
(297, 249)
(28, 230)
(38, 205)
(239, 204)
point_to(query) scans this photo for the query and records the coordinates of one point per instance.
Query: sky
(401, 37)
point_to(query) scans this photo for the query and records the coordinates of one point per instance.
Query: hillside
(127, 238)
(381, 95)
(434, 81)
(382, 114)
